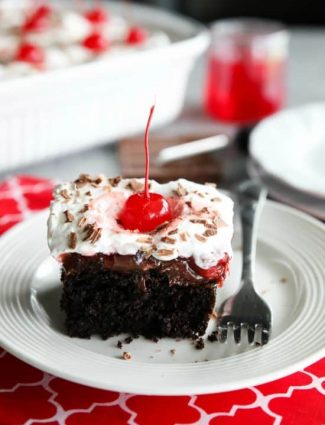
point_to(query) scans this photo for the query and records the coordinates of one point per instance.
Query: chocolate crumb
(126, 355)
(119, 344)
(88, 193)
(172, 351)
(72, 240)
(200, 237)
(128, 340)
(199, 344)
(204, 210)
(69, 217)
(167, 239)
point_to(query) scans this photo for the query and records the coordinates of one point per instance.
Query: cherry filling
(38, 20)
(136, 35)
(217, 272)
(96, 42)
(145, 211)
(97, 15)
(30, 53)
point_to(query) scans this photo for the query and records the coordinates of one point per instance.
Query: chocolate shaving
(65, 194)
(115, 181)
(167, 239)
(200, 238)
(200, 195)
(210, 232)
(161, 227)
(135, 185)
(184, 236)
(72, 240)
(189, 204)
(99, 180)
(84, 209)
(82, 221)
(145, 239)
(173, 232)
(219, 222)
(198, 221)
(180, 191)
(69, 217)
(88, 193)
(172, 351)
(126, 355)
(165, 252)
(94, 234)
(82, 180)
(204, 210)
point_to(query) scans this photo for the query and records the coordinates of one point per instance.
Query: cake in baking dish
(158, 281)
(41, 36)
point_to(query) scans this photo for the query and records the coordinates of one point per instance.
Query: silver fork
(245, 311)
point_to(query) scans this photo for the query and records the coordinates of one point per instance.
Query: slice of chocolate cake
(158, 282)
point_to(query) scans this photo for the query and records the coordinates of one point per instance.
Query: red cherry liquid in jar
(245, 79)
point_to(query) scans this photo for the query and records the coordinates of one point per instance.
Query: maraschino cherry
(145, 211)
(136, 35)
(96, 42)
(30, 53)
(96, 15)
(38, 20)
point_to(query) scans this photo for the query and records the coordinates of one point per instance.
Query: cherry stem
(146, 148)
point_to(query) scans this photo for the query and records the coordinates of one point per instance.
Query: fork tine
(265, 336)
(250, 334)
(237, 333)
(222, 334)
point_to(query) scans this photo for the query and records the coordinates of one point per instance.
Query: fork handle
(251, 197)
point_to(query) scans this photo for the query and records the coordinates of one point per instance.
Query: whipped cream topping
(84, 219)
(62, 41)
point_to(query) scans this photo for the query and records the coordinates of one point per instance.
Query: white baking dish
(57, 112)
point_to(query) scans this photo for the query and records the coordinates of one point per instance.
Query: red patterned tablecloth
(31, 397)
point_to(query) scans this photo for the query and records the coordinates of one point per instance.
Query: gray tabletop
(306, 83)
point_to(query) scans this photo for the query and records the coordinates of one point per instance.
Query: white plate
(290, 276)
(290, 145)
(287, 194)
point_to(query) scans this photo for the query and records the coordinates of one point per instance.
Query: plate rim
(196, 388)
(260, 128)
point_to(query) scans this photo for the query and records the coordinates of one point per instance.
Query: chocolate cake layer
(108, 295)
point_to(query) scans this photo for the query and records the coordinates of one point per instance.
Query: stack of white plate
(288, 156)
